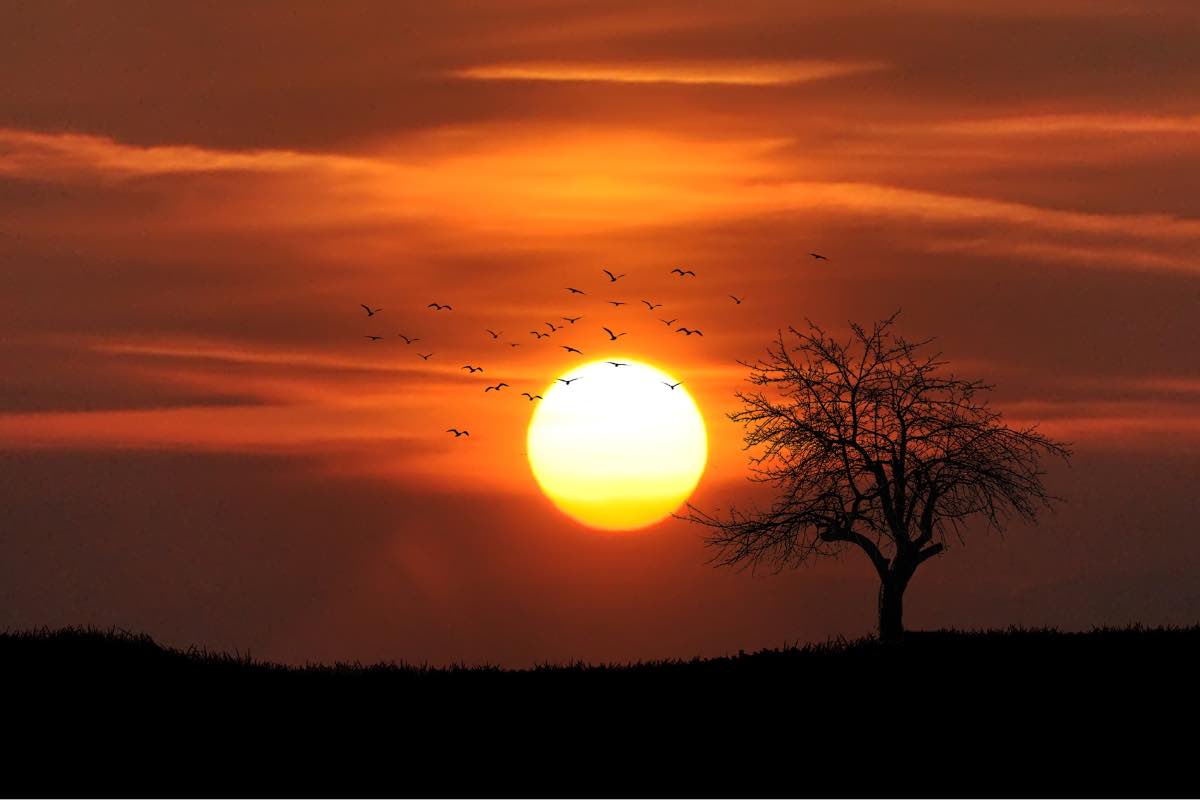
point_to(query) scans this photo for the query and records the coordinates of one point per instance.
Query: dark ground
(1021, 712)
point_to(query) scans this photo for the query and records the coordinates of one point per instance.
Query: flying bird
(567, 381)
(613, 336)
(671, 385)
(572, 320)
(818, 257)
(406, 339)
(374, 338)
(618, 303)
(539, 334)
(617, 363)
(574, 291)
(668, 322)
(613, 278)
(473, 370)
(553, 327)
(570, 349)
(370, 311)
(424, 357)
(688, 331)
(652, 306)
(497, 387)
(532, 397)
(457, 433)
(737, 299)
(683, 272)
(514, 344)
(493, 333)
(439, 307)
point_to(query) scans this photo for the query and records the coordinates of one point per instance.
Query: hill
(1032, 711)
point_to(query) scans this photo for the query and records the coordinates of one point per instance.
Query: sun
(617, 448)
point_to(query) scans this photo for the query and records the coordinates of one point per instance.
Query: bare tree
(872, 445)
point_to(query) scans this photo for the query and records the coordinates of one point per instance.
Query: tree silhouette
(872, 445)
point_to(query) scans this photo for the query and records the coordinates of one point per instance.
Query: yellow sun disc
(617, 448)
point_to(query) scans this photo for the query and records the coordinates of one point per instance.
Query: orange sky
(195, 439)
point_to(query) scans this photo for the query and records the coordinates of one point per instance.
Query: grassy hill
(945, 713)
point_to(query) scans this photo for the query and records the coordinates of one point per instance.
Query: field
(1036, 711)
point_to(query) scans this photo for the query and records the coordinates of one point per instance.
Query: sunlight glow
(618, 449)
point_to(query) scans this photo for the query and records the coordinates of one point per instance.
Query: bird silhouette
(652, 306)
(613, 278)
(567, 381)
(573, 290)
(572, 320)
(473, 370)
(818, 257)
(497, 387)
(553, 327)
(737, 299)
(374, 338)
(570, 349)
(688, 331)
(683, 272)
(457, 433)
(613, 336)
(532, 397)
(618, 303)
(370, 311)
(439, 307)
(668, 322)
(617, 363)
(406, 339)
(539, 334)
(424, 357)
(514, 344)
(671, 385)
(493, 333)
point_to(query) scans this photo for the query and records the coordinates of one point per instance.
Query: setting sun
(617, 448)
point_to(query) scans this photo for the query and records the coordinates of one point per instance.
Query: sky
(197, 442)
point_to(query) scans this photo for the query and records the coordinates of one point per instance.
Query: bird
(370, 311)
(737, 299)
(567, 381)
(652, 306)
(818, 257)
(439, 307)
(668, 322)
(424, 357)
(539, 334)
(532, 397)
(570, 349)
(683, 272)
(493, 333)
(618, 303)
(572, 320)
(473, 370)
(553, 327)
(514, 344)
(497, 387)
(457, 433)
(374, 338)
(613, 336)
(613, 278)
(406, 339)
(688, 331)
(574, 291)
(671, 385)
(617, 363)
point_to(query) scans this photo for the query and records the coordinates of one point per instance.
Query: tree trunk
(891, 610)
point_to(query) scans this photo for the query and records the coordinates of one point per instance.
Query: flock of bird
(553, 328)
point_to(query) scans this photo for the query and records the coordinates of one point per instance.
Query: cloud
(716, 73)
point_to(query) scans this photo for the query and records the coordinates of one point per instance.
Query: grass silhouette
(1010, 712)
